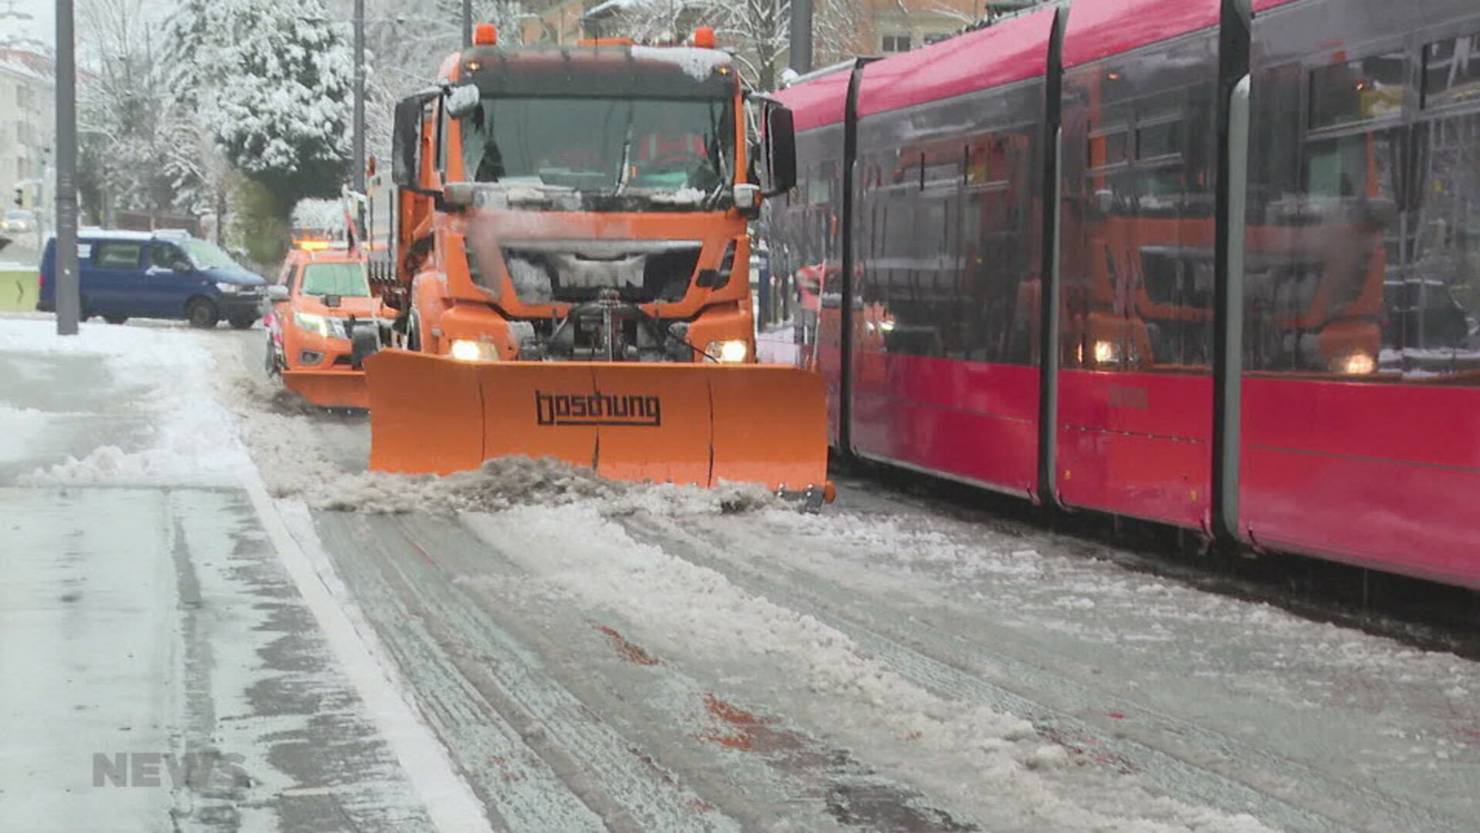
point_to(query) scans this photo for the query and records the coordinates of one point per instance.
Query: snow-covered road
(602, 657)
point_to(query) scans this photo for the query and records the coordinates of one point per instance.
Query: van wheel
(202, 313)
(242, 323)
(115, 319)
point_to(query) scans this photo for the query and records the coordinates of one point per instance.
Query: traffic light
(20, 196)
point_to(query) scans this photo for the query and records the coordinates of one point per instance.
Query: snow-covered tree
(122, 108)
(758, 31)
(405, 43)
(271, 81)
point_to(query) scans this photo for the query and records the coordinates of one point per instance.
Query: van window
(165, 256)
(118, 254)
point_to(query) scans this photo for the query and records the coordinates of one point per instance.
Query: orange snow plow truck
(572, 232)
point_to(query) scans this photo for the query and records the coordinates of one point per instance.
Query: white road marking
(450, 801)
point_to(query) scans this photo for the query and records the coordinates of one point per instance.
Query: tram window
(1337, 168)
(1109, 149)
(1157, 140)
(1355, 91)
(1451, 71)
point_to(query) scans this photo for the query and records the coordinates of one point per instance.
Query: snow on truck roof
(1014, 50)
(616, 69)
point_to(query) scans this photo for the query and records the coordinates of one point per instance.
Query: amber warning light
(485, 34)
(704, 37)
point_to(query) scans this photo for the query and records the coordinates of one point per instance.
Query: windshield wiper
(715, 149)
(626, 156)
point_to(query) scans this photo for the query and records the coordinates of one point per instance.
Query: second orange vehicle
(322, 304)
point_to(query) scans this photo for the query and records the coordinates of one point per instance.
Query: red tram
(1182, 260)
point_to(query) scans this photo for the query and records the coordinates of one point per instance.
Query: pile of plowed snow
(164, 374)
(520, 481)
(285, 436)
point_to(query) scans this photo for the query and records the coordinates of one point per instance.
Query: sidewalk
(159, 668)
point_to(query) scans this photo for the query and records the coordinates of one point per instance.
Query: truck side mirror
(780, 146)
(277, 293)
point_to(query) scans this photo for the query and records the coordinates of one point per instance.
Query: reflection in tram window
(1438, 321)
(1138, 234)
(1362, 252)
(1451, 71)
(950, 251)
(1356, 91)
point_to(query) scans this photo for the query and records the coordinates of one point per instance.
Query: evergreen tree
(272, 82)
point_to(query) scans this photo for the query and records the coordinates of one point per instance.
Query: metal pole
(358, 179)
(467, 38)
(801, 36)
(67, 301)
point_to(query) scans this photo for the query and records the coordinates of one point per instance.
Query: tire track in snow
(935, 664)
(574, 771)
(758, 769)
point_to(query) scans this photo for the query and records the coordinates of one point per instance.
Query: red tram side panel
(1359, 401)
(1139, 156)
(1361, 391)
(948, 249)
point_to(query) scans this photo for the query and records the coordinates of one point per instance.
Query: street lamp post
(801, 36)
(359, 131)
(67, 301)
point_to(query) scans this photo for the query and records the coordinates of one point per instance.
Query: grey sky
(41, 27)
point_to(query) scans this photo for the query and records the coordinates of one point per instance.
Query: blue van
(131, 274)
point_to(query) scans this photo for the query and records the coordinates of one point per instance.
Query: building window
(896, 43)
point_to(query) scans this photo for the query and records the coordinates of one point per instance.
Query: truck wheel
(202, 313)
(115, 319)
(242, 323)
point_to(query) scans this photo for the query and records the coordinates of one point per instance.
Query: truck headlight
(467, 350)
(731, 351)
(309, 322)
(1107, 352)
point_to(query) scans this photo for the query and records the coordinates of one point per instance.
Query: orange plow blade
(328, 389)
(676, 423)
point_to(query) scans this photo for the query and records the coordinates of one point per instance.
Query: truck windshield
(601, 144)
(344, 279)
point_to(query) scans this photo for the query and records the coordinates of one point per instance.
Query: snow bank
(193, 440)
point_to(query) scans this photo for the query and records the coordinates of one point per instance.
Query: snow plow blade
(328, 389)
(678, 423)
